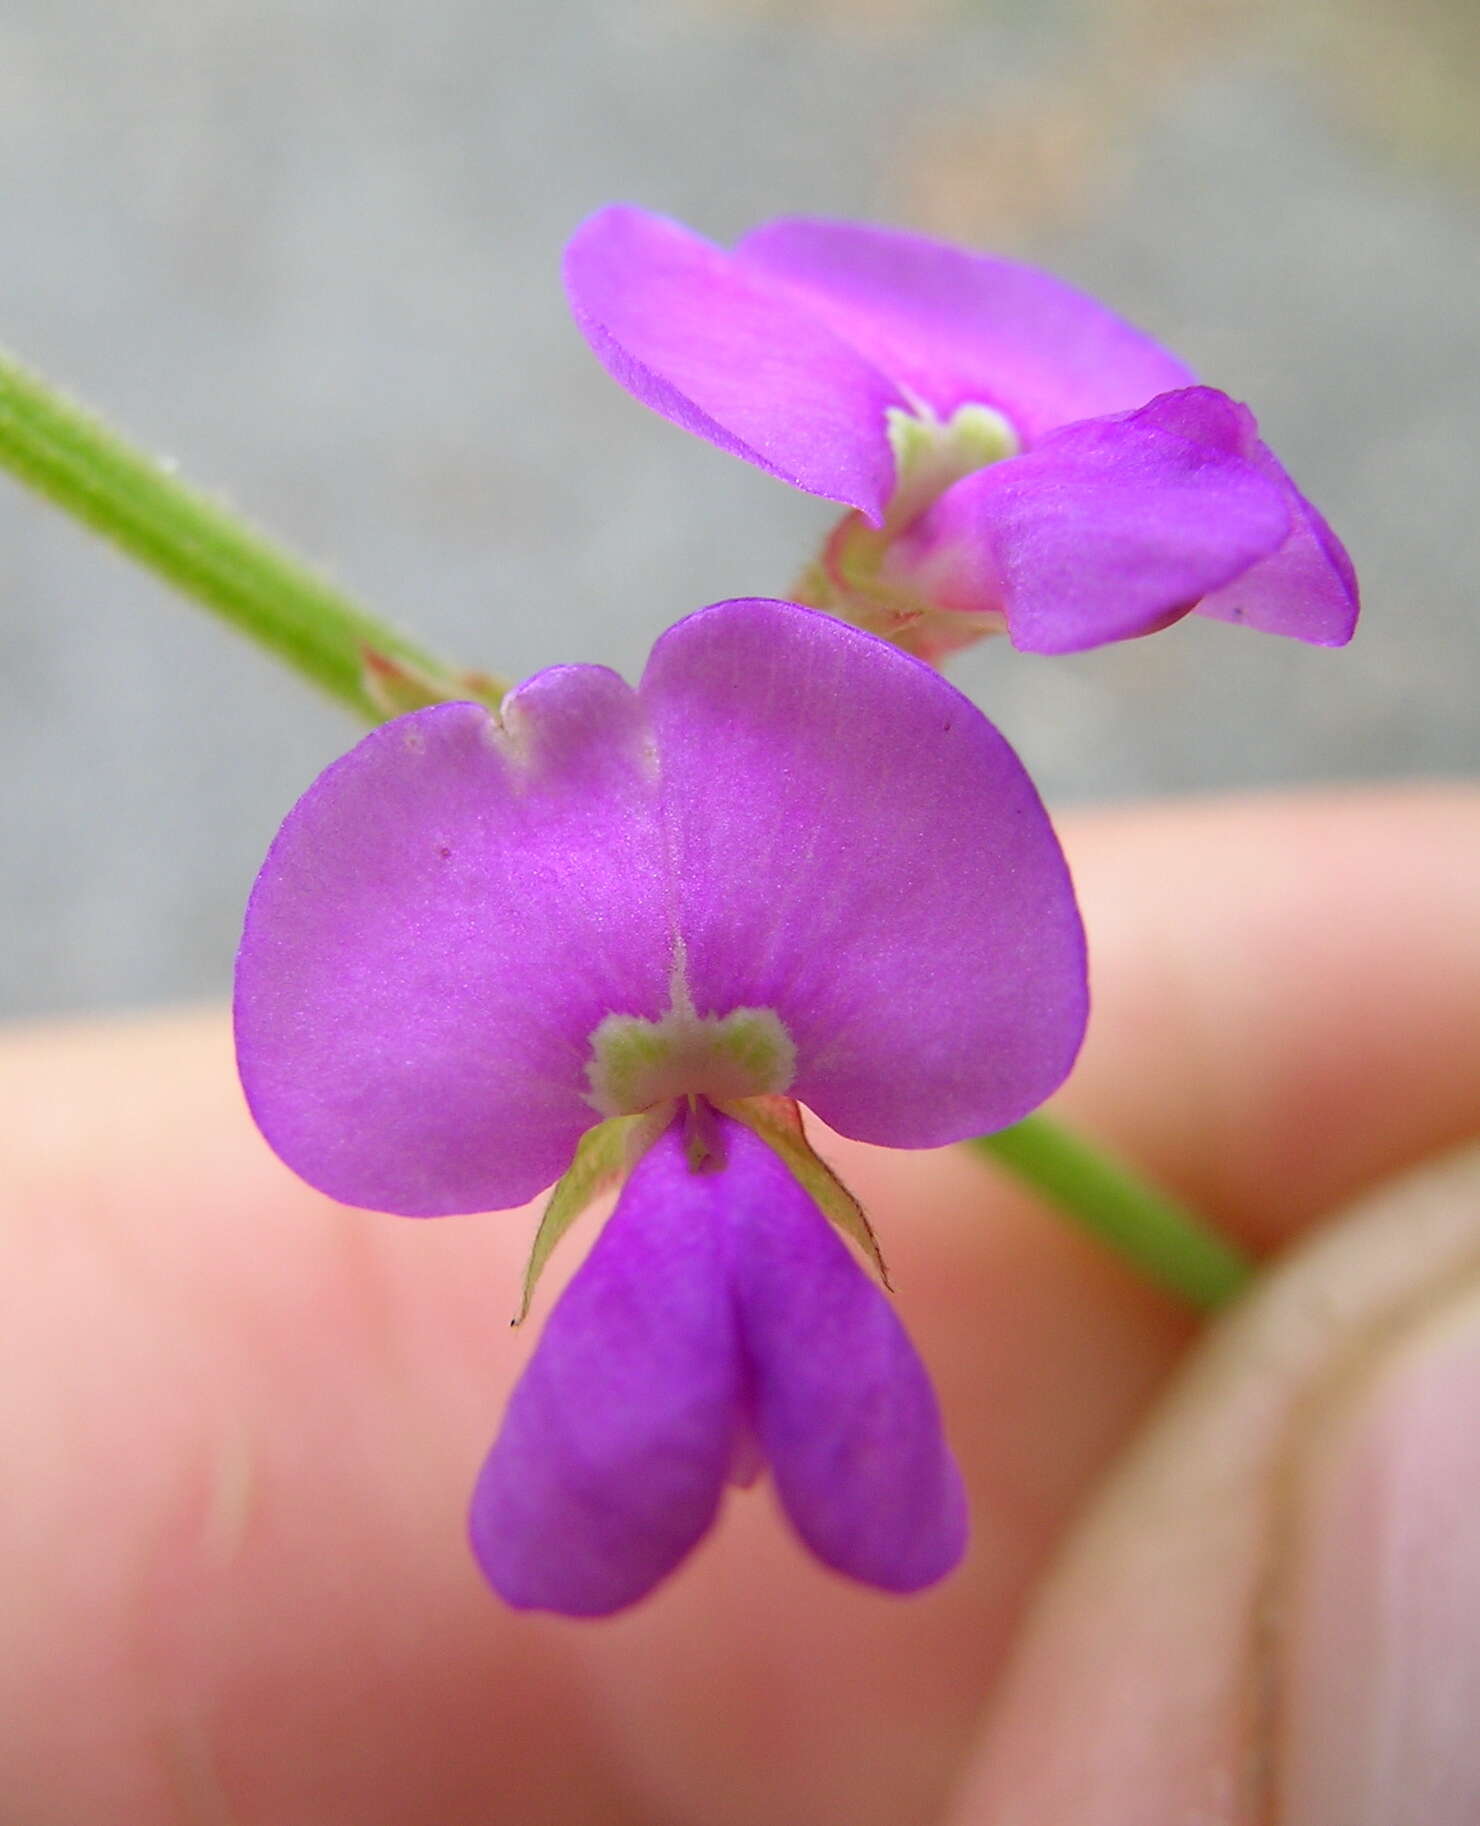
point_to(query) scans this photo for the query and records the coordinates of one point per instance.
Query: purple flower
(1014, 455)
(618, 930)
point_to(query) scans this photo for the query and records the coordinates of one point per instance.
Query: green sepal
(778, 1122)
(603, 1158)
(852, 580)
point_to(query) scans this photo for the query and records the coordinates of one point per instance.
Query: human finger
(1273, 1612)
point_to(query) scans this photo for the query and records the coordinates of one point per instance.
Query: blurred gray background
(309, 248)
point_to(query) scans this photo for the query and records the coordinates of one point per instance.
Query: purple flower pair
(611, 937)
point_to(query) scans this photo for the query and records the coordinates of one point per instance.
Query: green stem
(84, 467)
(1161, 1237)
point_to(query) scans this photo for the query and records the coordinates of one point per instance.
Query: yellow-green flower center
(930, 454)
(636, 1063)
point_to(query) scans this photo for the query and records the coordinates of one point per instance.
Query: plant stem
(203, 549)
(1166, 1241)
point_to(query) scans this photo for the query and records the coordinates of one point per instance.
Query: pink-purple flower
(618, 930)
(1014, 455)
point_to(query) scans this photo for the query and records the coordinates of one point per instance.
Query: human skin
(240, 1423)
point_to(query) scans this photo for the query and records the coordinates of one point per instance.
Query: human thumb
(1271, 1617)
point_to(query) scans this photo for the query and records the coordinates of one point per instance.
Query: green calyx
(608, 1152)
(858, 578)
(863, 574)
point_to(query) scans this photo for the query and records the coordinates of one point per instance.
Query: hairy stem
(210, 554)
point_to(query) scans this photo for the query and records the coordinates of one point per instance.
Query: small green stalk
(1166, 1241)
(203, 549)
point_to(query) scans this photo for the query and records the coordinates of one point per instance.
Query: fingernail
(1379, 1695)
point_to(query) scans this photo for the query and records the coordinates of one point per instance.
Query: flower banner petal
(858, 849)
(841, 1403)
(954, 326)
(731, 356)
(619, 1437)
(1110, 529)
(443, 920)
